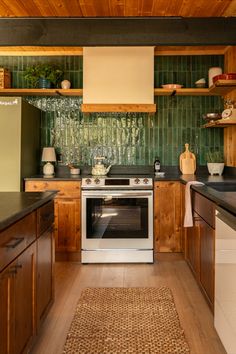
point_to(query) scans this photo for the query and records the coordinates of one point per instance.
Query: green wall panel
(129, 138)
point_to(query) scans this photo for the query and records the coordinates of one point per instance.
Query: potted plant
(43, 75)
(215, 162)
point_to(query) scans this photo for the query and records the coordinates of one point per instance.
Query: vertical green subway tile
(128, 139)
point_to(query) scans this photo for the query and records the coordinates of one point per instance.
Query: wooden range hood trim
(118, 107)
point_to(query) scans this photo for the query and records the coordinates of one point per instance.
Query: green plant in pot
(43, 75)
(215, 162)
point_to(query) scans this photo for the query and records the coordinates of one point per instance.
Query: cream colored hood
(118, 75)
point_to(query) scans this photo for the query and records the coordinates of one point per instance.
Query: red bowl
(228, 76)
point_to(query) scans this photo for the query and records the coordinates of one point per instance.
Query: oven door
(117, 219)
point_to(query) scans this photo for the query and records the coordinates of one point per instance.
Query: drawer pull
(14, 242)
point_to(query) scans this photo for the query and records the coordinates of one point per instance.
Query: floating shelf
(223, 87)
(220, 88)
(219, 124)
(184, 92)
(41, 92)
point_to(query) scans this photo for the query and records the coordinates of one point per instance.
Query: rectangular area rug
(126, 320)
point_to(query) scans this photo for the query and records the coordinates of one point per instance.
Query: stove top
(114, 182)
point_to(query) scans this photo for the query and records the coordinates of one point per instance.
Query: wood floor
(170, 270)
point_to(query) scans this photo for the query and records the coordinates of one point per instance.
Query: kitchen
(152, 130)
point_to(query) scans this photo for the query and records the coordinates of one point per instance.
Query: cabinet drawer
(45, 217)
(205, 208)
(16, 238)
(65, 188)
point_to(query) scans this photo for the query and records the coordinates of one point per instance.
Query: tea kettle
(99, 168)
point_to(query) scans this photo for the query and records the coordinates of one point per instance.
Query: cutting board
(187, 162)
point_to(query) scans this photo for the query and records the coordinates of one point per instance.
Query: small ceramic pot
(215, 168)
(44, 83)
(74, 171)
(65, 84)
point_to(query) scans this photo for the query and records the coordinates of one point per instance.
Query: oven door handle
(111, 195)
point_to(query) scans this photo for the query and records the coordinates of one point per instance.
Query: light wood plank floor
(71, 278)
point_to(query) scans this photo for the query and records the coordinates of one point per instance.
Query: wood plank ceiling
(111, 8)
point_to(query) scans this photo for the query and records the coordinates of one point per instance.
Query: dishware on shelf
(65, 84)
(214, 71)
(225, 76)
(172, 86)
(210, 117)
(200, 83)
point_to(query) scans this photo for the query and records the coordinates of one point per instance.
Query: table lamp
(48, 156)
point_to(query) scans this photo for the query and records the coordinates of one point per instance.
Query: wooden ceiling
(114, 8)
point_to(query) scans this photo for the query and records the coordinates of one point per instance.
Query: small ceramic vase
(65, 84)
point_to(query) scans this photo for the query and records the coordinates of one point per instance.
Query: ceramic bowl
(74, 171)
(172, 86)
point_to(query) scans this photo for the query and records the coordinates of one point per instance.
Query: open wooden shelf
(220, 88)
(219, 124)
(41, 92)
(223, 87)
(184, 92)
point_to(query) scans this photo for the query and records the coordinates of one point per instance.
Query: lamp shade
(48, 154)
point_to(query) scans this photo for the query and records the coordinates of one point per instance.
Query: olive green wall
(128, 138)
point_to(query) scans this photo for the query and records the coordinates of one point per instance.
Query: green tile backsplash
(128, 138)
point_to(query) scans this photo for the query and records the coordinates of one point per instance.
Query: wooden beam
(137, 31)
(116, 107)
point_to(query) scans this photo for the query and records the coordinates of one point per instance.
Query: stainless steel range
(117, 220)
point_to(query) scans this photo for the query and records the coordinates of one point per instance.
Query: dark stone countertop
(227, 200)
(224, 199)
(60, 177)
(16, 205)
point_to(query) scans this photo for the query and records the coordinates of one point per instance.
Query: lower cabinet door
(167, 217)
(67, 224)
(7, 310)
(17, 289)
(193, 247)
(25, 280)
(45, 260)
(207, 260)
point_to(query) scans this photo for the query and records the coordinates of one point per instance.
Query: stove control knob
(88, 181)
(145, 180)
(97, 180)
(137, 181)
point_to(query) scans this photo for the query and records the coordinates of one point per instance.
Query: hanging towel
(188, 217)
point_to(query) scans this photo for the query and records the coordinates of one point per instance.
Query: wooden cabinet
(26, 278)
(200, 245)
(67, 223)
(193, 247)
(167, 216)
(17, 289)
(207, 259)
(45, 261)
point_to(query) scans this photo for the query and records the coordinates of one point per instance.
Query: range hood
(118, 79)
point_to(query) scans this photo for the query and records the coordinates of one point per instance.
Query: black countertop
(227, 200)
(16, 205)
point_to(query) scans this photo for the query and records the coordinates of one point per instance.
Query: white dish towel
(188, 217)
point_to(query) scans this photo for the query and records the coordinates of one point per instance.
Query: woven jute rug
(126, 320)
